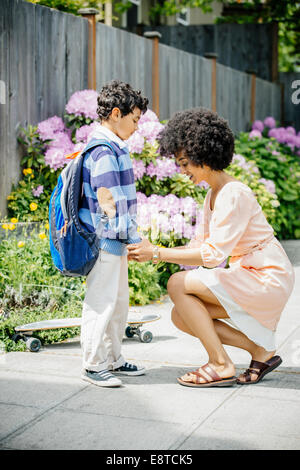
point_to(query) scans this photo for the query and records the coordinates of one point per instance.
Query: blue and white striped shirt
(104, 169)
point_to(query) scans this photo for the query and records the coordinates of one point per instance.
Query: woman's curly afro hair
(205, 138)
(117, 94)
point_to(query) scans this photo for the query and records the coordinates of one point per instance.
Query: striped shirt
(104, 169)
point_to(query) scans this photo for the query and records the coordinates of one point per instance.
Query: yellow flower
(21, 244)
(27, 171)
(5, 226)
(42, 235)
(11, 227)
(33, 206)
(47, 226)
(14, 220)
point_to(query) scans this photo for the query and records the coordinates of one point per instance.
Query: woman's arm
(144, 252)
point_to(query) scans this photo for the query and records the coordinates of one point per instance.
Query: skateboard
(25, 332)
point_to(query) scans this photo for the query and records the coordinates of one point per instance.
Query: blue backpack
(74, 250)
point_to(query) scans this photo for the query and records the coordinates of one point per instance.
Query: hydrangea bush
(276, 152)
(169, 204)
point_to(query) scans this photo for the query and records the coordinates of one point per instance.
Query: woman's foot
(210, 374)
(262, 363)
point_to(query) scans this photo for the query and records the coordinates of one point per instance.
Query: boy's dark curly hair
(117, 94)
(205, 138)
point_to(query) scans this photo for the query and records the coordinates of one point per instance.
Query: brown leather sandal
(216, 381)
(260, 369)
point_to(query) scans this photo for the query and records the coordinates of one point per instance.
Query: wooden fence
(239, 46)
(44, 60)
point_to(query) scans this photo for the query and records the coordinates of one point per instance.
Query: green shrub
(278, 163)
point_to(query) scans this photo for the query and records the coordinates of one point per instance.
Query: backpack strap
(96, 143)
(93, 143)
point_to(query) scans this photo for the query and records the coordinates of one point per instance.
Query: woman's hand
(141, 252)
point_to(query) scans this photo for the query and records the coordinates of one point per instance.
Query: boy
(108, 206)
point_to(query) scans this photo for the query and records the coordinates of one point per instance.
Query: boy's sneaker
(129, 369)
(103, 378)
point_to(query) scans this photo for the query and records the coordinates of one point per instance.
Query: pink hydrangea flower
(48, 128)
(38, 190)
(57, 151)
(270, 122)
(290, 130)
(164, 168)
(55, 158)
(136, 143)
(84, 133)
(148, 116)
(255, 134)
(203, 184)
(83, 103)
(258, 126)
(150, 130)
(269, 184)
(139, 168)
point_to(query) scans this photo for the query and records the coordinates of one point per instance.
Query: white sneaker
(103, 378)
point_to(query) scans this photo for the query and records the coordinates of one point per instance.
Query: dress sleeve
(231, 216)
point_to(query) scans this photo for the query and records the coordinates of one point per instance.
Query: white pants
(104, 314)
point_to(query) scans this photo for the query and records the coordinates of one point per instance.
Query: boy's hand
(141, 252)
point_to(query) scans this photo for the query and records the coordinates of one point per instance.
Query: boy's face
(125, 126)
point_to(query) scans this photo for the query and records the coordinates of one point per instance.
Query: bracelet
(155, 256)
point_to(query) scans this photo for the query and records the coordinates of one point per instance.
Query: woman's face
(195, 173)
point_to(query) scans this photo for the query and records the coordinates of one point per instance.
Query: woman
(252, 292)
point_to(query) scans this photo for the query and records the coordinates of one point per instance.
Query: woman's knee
(175, 284)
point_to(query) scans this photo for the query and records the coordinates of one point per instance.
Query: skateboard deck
(134, 321)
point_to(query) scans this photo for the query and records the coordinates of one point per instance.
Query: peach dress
(260, 278)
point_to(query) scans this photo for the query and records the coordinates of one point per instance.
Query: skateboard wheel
(16, 337)
(33, 344)
(146, 336)
(128, 332)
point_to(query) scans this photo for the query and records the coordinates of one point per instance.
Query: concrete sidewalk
(45, 405)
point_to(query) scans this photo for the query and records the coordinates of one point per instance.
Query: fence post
(274, 71)
(213, 57)
(253, 94)
(282, 103)
(90, 14)
(155, 36)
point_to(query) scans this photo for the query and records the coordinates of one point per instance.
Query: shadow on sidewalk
(282, 378)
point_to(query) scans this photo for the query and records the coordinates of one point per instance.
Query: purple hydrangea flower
(57, 151)
(291, 130)
(203, 184)
(38, 190)
(48, 128)
(136, 143)
(269, 184)
(55, 158)
(258, 126)
(164, 168)
(255, 134)
(148, 116)
(270, 122)
(150, 130)
(139, 168)
(83, 103)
